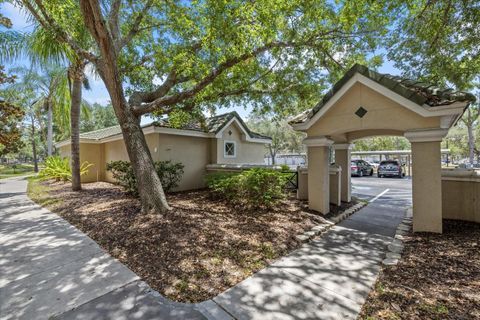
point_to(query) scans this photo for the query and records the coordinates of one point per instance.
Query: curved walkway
(48, 269)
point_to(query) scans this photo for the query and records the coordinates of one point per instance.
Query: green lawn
(9, 170)
(38, 191)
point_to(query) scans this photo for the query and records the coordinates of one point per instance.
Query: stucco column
(318, 173)
(426, 179)
(343, 158)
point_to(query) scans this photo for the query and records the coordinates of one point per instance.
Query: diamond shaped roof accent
(419, 92)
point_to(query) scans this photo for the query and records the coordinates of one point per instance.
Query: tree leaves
(11, 116)
(438, 41)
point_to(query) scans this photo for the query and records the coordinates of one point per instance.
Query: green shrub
(169, 173)
(251, 189)
(59, 169)
(284, 167)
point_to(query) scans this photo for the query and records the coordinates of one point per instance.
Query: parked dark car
(361, 168)
(390, 168)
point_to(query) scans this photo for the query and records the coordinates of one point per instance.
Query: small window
(229, 149)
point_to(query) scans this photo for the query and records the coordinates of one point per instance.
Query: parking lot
(394, 192)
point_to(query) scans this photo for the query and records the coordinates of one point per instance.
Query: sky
(98, 92)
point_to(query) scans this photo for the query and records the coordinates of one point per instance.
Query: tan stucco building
(223, 139)
(365, 103)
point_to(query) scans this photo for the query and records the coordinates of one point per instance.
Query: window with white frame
(229, 149)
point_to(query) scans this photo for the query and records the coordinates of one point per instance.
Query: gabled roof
(217, 123)
(212, 125)
(421, 93)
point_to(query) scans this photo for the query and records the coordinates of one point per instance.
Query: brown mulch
(197, 251)
(438, 277)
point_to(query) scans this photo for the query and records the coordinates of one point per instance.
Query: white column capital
(343, 146)
(317, 142)
(427, 135)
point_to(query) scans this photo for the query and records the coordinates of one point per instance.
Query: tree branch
(143, 106)
(113, 17)
(135, 27)
(49, 23)
(169, 100)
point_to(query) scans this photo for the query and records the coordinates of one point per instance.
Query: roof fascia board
(67, 142)
(424, 110)
(172, 131)
(245, 134)
(182, 132)
(234, 119)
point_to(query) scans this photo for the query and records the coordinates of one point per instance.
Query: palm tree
(46, 47)
(43, 48)
(51, 87)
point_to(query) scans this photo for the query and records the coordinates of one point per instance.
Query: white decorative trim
(317, 142)
(225, 155)
(164, 130)
(245, 134)
(238, 166)
(446, 122)
(342, 146)
(428, 135)
(423, 110)
(234, 119)
(332, 169)
(469, 175)
(67, 142)
(180, 132)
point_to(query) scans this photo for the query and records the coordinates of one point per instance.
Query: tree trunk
(34, 148)
(76, 73)
(150, 190)
(149, 186)
(272, 154)
(49, 127)
(471, 143)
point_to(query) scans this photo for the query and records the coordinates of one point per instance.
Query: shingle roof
(101, 133)
(216, 123)
(419, 92)
(211, 125)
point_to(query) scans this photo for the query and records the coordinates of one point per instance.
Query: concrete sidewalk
(328, 278)
(49, 269)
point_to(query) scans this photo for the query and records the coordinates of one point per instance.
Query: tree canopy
(213, 53)
(11, 116)
(438, 41)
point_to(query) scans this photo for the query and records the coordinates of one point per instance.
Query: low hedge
(257, 188)
(169, 173)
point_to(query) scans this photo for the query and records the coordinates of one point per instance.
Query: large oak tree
(438, 41)
(161, 57)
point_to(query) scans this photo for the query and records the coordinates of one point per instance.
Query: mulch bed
(197, 251)
(438, 277)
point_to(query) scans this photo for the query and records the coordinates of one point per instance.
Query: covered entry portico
(365, 103)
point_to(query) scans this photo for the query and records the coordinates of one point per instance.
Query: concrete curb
(321, 228)
(395, 248)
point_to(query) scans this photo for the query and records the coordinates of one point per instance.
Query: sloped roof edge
(97, 135)
(421, 93)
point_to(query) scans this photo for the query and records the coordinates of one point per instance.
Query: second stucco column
(343, 159)
(318, 173)
(426, 179)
